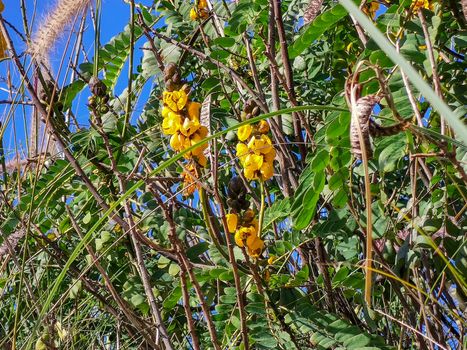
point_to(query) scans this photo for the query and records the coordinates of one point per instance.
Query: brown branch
(178, 246)
(289, 78)
(109, 285)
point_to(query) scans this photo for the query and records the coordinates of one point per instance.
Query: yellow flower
(250, 174)
(203, 10)
(255, 224)
(165, 112)
(245, 235)
(263, 127)
(244, 132)
(241, 236)
(189, 127)
(267, 171)
(242, 152)
(179, 142)
(262, 145)
(255, 248)
(253, 162)
(193, 110)
(271, 259)
(202, 160)
(232, 221)
(419, 4)
(193, 14)
(175, 100)
(270, 156)
(195, 139)
(203, 131)
(171, 124)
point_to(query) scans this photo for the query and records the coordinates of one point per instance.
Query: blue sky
(115, 16)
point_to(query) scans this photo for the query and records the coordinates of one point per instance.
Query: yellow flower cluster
(200, 11)
(3, 44)
(181, 121)
(255, 151)
(246, 232)
(419, 4)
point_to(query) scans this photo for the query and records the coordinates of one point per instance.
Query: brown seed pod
(235, 187)
(97, 87)
(172, 74)
(361, 112)
(255, 111)
(170, 85)
(249, 106)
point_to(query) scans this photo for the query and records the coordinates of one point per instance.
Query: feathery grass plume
(3, 45)
(54, 25)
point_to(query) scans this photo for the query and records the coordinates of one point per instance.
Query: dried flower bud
(97, 87)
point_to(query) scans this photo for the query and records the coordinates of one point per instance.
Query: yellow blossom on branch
(193, 110)
(255, 248)
(200, 11)
(232, 222)
(175, 100)
(172, 123)
(419, 4)
(189, 127)
(244, 132)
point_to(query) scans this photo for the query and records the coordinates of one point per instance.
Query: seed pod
(97, 87)
(170, 85)
(361, 116)
(169, 70)
(92, 101)
(43, 97)
(249, 106)
(105, 98)
(176, 78)
(103, 109)
(243, 203)
(233, 204)
(236, 187)
(255, 111)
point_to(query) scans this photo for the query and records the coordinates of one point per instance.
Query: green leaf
(318, 27)
(392, 153)
(280, 209)
(224, 41)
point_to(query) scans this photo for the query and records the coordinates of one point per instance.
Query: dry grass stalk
(54, 25)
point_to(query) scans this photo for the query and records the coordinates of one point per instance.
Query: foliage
(325, 209)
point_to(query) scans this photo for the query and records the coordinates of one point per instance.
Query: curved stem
(207, 218)
(262, 208)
